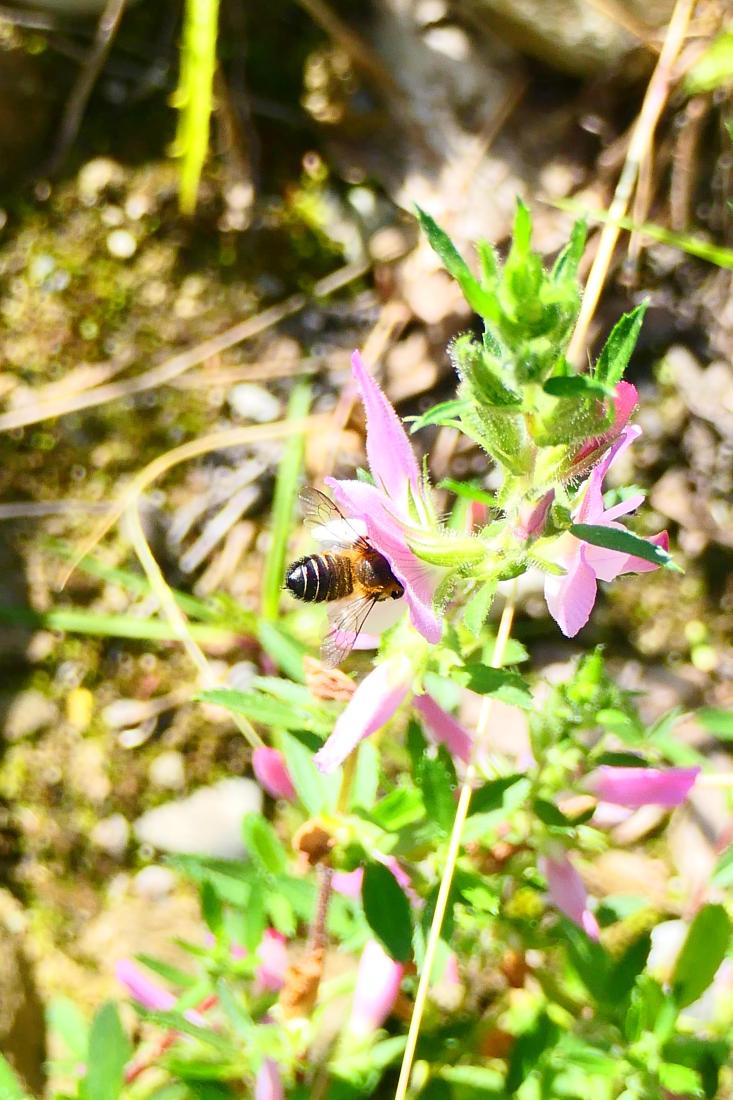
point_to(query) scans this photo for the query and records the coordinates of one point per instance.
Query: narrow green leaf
(401, 807)
(263, 844)
(317, 792)
(436, 779)
(479, 300)
(194, 95)
(10, 1086)
(575, 385)
(109, 1050)
(267, 711)
(387, 911)
(283, 503)
(702, 953)
(614, 359)
(504, 683)
(717, 721)
(468, 491)
(490, 796)
(723, 873)
(66, 1020)
(444, 413)
(78, 621)
(565, 267)
(623, 972)
(366, 777)
(284, 650)
(477, 609)
(624, 542)
(211, 909)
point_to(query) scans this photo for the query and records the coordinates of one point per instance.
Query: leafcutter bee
(350, 571)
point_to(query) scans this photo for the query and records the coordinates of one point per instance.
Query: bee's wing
(319, 511)
(345, 629)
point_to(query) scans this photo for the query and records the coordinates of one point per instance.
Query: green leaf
(283, 503)
(387, 911)
(445, 412)
(109, 1050)
(263, 844)
(468, 491)
(267, 711)
(623, 972)
(723, 873)
(491, 795)
(702, 953)
(401, 807)
(625, 543)
(317, 792)
(528, 1049)
(713, 68)
(479, 300)
(284, 650)
(575, 385)
(614, 359)
(366, 777)
(66, 1020)
(680, 1080)
(565, 267)
(436, 778)
(549, 814)
(10, 1086)
(211, 909)
(194, 96)
(479, 605)
(503, 683)
(716, 721)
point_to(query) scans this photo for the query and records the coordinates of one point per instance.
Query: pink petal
(444, 728)
(377, 985)
(391, 458)
(373, 703)
(623, 508)
(570, 599)
(142, 988)
(567, 892)
(348, 883)
(591, 506)
(272, 955)
(272, 774)
(634, 787)
(625, 400)
(532, 518)
(387, 535)
(268, 1083)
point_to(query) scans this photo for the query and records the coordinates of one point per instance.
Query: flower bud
(377, 985)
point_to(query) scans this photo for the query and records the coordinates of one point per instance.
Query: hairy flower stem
(454, 846)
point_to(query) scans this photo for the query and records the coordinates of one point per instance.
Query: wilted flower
(377, 985)
(570, 598)
(634, 787)
(272, 774)
(268, 1083)
(567, 892)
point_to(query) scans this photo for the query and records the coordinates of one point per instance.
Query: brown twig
(641, 140)
(107, 27)
(683, 158)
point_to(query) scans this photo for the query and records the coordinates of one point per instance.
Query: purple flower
(444, 728)
(149, 993)
(272, 774)
(373, 703)
(567, 892)
(634, 787)
(394, 508)
(272, 956)
(377, 985)
(570, 598)
(268, 1083)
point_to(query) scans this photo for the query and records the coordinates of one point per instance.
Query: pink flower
(149, 993)
(268, 1083)
(570, 598)
(634, 787)
(444, 728)
(392, 509)
(373, 703)
(272, 774)
(567, 892)
(377, 985)
(272, 955)
(625, 401)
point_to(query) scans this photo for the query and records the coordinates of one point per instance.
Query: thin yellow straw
(454, 845)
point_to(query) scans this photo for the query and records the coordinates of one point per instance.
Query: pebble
(154, 882)
(121, 244)
(168, 771)
(98, 174)
(208, 822)
(253, 402)
(112, 835)
(29, 712)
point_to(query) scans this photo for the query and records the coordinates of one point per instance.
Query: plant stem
(454, 846)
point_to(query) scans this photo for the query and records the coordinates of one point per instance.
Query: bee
(354, 573)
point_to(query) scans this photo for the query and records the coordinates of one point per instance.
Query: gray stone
(29, 712)
(253, 402)
(208, 822)
(112, 835)
(168, 770)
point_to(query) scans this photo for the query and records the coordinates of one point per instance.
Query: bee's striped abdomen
(320, 577)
